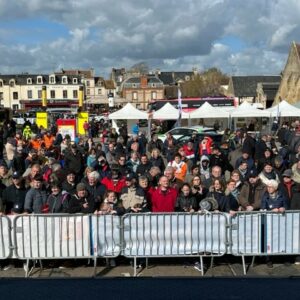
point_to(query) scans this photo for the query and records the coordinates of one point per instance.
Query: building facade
(141, 90)
(25, 91)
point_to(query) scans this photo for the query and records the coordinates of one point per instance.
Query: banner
(42, 119)
(67, 126)
(82, 117)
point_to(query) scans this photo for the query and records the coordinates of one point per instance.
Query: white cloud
(166, 34)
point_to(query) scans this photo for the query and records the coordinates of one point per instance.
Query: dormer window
(75, 81)
(40, 80)
(65, 80)
(12, 83)
(29, 81)
(153, 85)
(52, 79)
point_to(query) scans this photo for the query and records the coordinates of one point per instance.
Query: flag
(179, 108)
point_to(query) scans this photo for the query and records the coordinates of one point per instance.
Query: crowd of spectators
(44, 172)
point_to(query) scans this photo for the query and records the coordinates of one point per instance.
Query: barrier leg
(107, 262)
(244, 265)
(252, 262)
(26, 268)
(211, 262)
(147, 263)
(134, 266)
(202, 266)
(95, 266)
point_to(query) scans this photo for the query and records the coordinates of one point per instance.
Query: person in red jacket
(163, 199)
(115, 182)
(205, 146)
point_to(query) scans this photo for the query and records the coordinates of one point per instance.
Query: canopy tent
(207, 111)
(246, 110)
(284, 109)
(168, 112)
(128, 112)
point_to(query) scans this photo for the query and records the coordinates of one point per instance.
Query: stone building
(289, 88)
(24, 91)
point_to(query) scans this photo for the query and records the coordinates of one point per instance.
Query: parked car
(20, 118)
(98, 118)
(178, 132)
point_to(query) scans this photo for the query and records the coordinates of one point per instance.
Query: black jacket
(14, 199)
(76, 205)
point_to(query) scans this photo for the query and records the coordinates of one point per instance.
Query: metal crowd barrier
(5, 238)
(171, 235)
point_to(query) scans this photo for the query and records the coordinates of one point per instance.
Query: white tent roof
(128, 112)
(207, 111)
(284, 109)
(168, 112)
(246, 110)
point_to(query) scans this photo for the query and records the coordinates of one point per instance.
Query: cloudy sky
(239, 37)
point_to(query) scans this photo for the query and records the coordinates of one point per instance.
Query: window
(12, 83)
(52, 94)
(133, 85)
(29, 94)
(15, 106)
(64, 80)
(153, 95)
(87, 91)
(99, 91)
(75, 80)
(39, 79)
(75, 94)
(87, 83)
(29, 81)
(39, 94)
(153, 85)
(134, 96)
(65, 94)
(15, 96)
(52, 79)
(1, 95)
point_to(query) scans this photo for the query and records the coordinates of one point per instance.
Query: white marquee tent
(246, 110)
(168, 112)
(128, 112)
(207, 111)
(284, 109)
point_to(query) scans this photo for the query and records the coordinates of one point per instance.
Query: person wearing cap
(13, 196)
(163, 199)
(69, 184)
(219, 159)
(81, 202)
(273, 199)
(290, 189)
(114, 181)
(36, 197)
(251, 192)
(132, 196)
(268, 173)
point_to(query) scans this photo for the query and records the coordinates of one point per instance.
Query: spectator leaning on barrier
(95, 188)
(81, 202)
(186, 201)
(36, 197)
(252, 192)
(111, 205)
(273, 199)
(163, 199)
(58, 200)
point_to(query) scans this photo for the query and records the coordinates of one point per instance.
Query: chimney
(144, 81)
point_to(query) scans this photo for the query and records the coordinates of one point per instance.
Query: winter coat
(279, 201)
(185, 203)
(35, 200)
(58, 203)
(163, 201)
(258, 191)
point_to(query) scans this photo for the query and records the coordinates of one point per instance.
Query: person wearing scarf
(268, 173)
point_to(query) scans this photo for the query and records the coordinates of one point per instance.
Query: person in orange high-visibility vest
(48, 140)
(36, 142)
